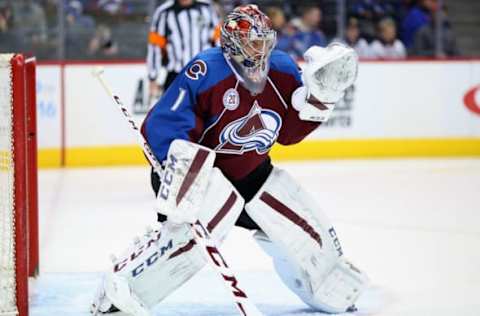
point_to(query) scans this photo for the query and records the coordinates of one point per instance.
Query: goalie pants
(247, 187)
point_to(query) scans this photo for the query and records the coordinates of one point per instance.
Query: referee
(180, 30)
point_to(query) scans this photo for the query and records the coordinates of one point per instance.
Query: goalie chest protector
(207, 104)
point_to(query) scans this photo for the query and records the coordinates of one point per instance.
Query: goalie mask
(248, 40)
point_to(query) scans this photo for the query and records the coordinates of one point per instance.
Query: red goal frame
(24, 129)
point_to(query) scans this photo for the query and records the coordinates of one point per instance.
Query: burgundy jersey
(208, 105)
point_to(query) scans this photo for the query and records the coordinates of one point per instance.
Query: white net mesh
(7, 218)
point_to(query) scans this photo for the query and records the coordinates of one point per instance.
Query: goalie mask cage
(18, 183)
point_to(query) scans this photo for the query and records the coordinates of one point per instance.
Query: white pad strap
(306, 245)
(166, 258)
(184, 181)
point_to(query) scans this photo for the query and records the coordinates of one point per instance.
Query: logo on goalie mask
(258, 131)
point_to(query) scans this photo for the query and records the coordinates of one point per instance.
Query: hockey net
(18, 183)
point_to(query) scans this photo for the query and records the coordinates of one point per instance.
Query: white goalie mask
(248, 40)
(329, 71)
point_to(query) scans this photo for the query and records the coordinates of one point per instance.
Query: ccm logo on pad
(168, 177)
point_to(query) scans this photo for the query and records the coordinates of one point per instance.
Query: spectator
(369, 13)
(418, 16)
(425, 39)
(8, 38)
(353, 39)
(403, 9)
(308, 31)
(388, 46)
(30, 22)
(75, 16)
(283, 28)
(5, 19)
(79, 29)
(112, 7)
(101, 44)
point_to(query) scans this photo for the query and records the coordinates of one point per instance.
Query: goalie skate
(102, 305)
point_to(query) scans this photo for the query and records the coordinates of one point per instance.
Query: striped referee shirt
(178, 33)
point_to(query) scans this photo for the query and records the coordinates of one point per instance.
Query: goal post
(32, 166)
(19, 257)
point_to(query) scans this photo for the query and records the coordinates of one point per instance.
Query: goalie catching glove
(327, 73)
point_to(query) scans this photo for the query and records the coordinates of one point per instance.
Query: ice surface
(412, 225)
(70, 294)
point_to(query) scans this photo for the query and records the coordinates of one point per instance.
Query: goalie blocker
(294, 232)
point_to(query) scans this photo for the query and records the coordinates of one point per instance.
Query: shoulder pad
(208, 68)
(282, 62)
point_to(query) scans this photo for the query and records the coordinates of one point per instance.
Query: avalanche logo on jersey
(258, 130)
(197, 69)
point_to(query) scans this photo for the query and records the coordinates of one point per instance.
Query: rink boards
(396, 109)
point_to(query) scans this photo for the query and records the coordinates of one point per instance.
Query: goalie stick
(202, 236)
